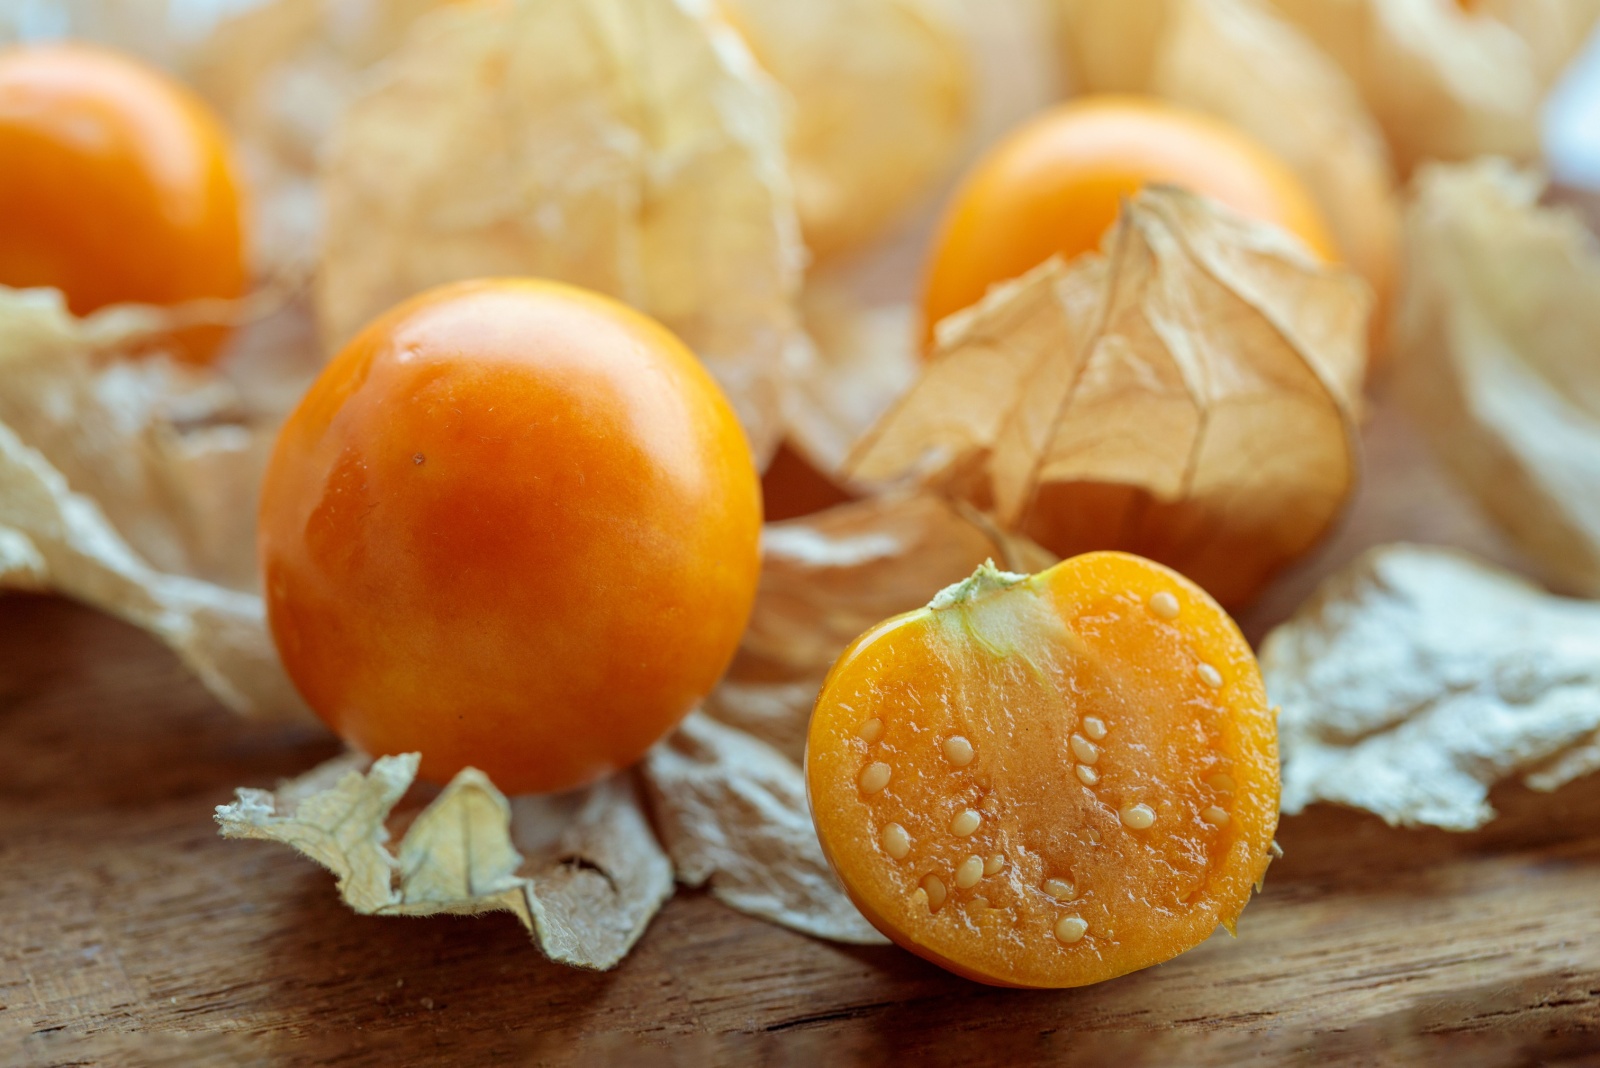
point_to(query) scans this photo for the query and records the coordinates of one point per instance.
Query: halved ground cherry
(115, 186)
(513, 525)
(1056, 184)
(1048, 781)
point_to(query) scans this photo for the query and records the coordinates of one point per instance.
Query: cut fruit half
(1048, 781)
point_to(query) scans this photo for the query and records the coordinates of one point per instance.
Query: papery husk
(733, 813)
(860, 358)
(882, 93)
(1243, 63)
(581, 871)
(1495, 357)
(281, 73)
(1188, 395)
(1445, 83)
(630, 146)
(129, 484)
(1416, 678)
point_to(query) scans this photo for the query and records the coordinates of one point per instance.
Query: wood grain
(130, 934)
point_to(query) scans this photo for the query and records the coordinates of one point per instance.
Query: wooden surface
(131, 934)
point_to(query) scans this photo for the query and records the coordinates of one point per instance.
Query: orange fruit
(1056, 185)
(1048, 781)
(115, 186)
(513, 525)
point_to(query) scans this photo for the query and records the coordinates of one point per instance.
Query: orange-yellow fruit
(1048, 781)
(115, 186)
(1055, 186)
(513, 525)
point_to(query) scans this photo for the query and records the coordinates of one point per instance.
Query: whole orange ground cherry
(1048, 781)
(1056, 185)
(513, 525)
(115, 186)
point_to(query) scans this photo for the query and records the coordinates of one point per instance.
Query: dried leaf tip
(987, 579)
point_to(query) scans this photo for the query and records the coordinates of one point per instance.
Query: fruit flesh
(1056, 185)
(513, 525)
(116, 186)
(1028, 671)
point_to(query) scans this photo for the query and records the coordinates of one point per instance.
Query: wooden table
(130, 934)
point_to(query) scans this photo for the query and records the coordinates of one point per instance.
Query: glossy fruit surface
(513, 525)
(1056, 185)
(115, 186)
(1048, 781)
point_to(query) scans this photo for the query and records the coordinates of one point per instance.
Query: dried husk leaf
(733, 813)
(1240, 61)
(1495, 347)
(1445, 83)
(127, 483)
(1417, 677)
(630, 146)
(882, 94)
(1187, 395)
(281, 73)
(582, 871)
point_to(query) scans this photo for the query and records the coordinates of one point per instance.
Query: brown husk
(1495, 348)
(1240, 61)
(1416, 678)
(1187, 395)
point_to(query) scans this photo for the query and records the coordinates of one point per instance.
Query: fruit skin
(513, 525)
(1077, 591)
(1056, 184)
(115, 186)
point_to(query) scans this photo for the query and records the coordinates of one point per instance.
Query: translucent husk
(882, 98)
(281, 73)
(1416, 678)
(1240, 61)
(1495, 357)
(1187, 395)
(1443, 82)
(129, 484)
(630, 146)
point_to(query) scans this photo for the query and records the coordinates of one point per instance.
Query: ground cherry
(513, 525)
(115, 185)
(1056, 185)
(1048, 780)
